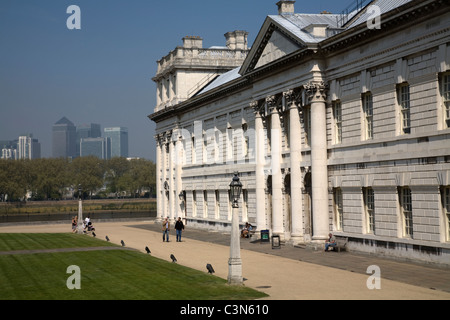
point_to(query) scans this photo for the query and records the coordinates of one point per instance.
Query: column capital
(274, 103)
(316, 91)
(168, 136)
(259, 108)
(159, 138)
(293, 98)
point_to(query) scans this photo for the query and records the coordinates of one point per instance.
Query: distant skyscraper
(28, 148)
(98, 147)
(119, 141)
(9, 149)
(64, 139)
(84, 131)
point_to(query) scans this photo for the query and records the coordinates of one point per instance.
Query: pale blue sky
(102, 73)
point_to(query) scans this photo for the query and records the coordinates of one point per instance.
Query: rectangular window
(205, 204)
(337, 114)
(244, 205)
(230, 208)
(307, 124)
(338, 208)
(368, 115)
(194, 203)
(446, 207)
(193, 151)
(445, 89)
(217, 206)
(406, 211)
(405, 110)
(369, 207)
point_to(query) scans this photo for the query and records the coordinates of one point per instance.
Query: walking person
(166, 229)
(74, 224)
(179, 226)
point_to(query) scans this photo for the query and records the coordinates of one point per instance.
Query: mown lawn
(105, 275)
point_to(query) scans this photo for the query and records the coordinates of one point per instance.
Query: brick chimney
(285, 7)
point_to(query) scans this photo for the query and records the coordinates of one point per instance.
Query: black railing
(353, 9)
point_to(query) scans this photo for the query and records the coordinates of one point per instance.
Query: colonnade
(269, 113)
(273, 109)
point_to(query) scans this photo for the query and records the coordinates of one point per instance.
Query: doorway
(308, 207)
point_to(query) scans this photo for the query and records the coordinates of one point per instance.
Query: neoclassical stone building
(336, 123)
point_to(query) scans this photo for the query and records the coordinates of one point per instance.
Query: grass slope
(105, 275)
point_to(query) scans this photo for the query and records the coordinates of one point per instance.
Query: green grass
(105, 275)
(38, 241)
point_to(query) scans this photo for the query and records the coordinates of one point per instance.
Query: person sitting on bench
(248, 227)
(331, 242)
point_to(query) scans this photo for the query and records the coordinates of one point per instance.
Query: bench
(341, 243)
(252, 232)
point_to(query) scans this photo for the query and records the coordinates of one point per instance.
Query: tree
(115, 169)
(13, 184)
(87, 173)
(48, 178)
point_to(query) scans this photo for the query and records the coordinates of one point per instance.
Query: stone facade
(333, 128)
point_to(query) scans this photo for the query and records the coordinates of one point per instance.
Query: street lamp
(235, 262)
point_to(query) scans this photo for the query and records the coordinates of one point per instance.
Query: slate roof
(295, 24)
(384, 5)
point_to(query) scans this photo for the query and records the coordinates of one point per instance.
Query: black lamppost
(235, 262)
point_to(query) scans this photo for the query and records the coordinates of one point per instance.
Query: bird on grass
(107, 239)
(123, 243)
(173, 258)
(210, 268)
(147, 250)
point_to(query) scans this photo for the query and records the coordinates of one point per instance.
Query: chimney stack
(192, 42)
(285, 7)
(236, 40)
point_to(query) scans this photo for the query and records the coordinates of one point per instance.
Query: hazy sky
(102, 72)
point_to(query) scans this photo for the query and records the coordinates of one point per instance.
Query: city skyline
(103, 71)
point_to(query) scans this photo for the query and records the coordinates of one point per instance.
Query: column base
(296, 239)
(235, 271)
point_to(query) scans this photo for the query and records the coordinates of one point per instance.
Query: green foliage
(51, 178)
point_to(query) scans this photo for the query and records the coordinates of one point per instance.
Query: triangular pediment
(272, 43)
(277, 47)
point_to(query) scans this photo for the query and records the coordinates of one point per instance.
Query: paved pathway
(287, 273)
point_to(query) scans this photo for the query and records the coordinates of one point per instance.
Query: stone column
(164, 176)
(277, 178)
(158, 95)
(180, 207)
(171, 210)
(259, 159)
(293, 103)
(316, 92)
(163, 90)
(170, 84)
(159, 182)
